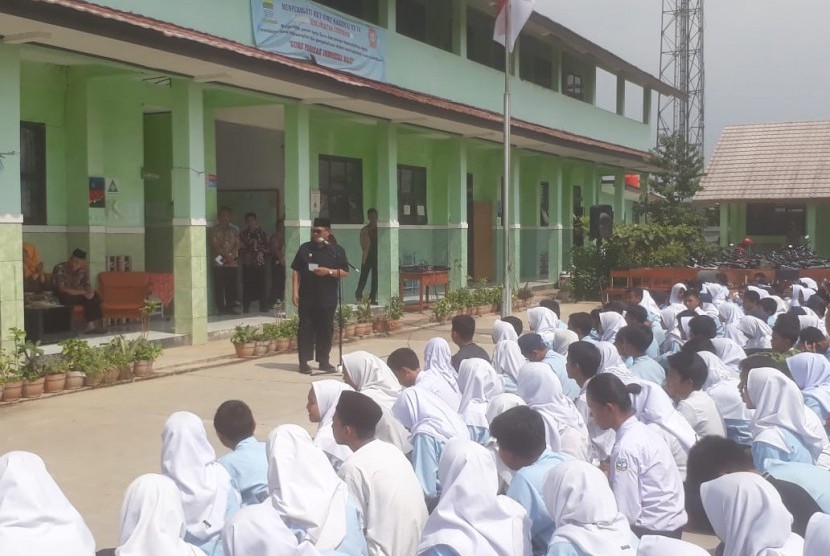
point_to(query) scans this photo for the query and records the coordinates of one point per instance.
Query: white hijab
(811, 372)
(423, 412)
(562, 339)
(672, 325)
(508, 359)
(479, 382)
(611, 362)
(542, 391)
(748, 515)
(649, 304)
(809, 282)
(580, 502)
(806, 321)
(501, 403)
(676, 297)
(328, 393)
(542, 320)
(653, 405)
(778, 404)
(758, 333)
(817, 537)
(760, 291)
(152, 519)
(654, 545)
(188, 458)
(438, 358)
(780, 305)
(717, 370)
(372, 377)
(730, 313)
(729, 352)
(470, 517)
(258, 530)
(304, 489)
(35, 516)
(800, 295)
(610, 322)
(503, 331)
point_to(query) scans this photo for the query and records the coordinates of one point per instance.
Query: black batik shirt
(319, 291)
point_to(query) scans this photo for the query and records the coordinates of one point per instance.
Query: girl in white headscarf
(722, 385)
(438, 359)
(653, 545)
(208, 496)
(308, 495)
(431, 425)
(651, 307)
(730, 315)
(811, 372)
(258, 530)
(730, 353)
(779, 428)
(498, 405)
(610, 322)
(581, 503)
(507, 360)
(562, 339)
(543, 322)
(673, 340)
(152, 519)
(758, 333)
(611, 362)
(748, 515)
(503, 331)
(678, 292)
(479, 382)
(35, 516)
(817, 538)
(322, 402)
(542, 391)
(471, 519)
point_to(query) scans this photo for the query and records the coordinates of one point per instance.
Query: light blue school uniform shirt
(818, 409)
(354, 543)
(569, 549)
(653, 350)
(426, 453)
(815, 480)
(526, 489)
(557, 362)
(213, 546)
(590, 339)
(440, 550)
(646, 368)
(480, 435)
(509, 385)
(248, 468)
(763, 452)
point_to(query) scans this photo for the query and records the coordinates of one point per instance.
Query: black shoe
(305, 369)
(329, 368)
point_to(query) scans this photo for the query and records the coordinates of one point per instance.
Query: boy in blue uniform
(247, 464)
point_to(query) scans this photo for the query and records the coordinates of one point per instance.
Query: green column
(556, 209)
(11, 219)
(619, 198)
(459, 32)
(457, 212)
(812, 224)
(387, 196)
(297, 187)
(190, 264)
(724, 224)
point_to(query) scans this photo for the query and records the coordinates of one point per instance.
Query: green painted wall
(158, 192)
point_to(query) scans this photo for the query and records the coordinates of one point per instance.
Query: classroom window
(573, 86)
(481, 47)
(341, 189)
(775, 220)
(367, 10)
(426, 21)
(412, 195)
(33, 173)
(536, 62)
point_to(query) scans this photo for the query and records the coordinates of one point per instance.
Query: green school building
(125, 124)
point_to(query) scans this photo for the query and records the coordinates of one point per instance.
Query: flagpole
(506, 297)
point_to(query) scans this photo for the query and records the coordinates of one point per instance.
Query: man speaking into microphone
(318, 265)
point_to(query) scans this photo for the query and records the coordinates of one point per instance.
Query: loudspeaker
(602, 221)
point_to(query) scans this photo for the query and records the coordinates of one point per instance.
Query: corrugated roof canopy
(769, 162)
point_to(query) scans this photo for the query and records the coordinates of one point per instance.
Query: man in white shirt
(380, 479)
(407, 368)
(686, 376)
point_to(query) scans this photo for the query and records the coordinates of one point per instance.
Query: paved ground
(96, 442)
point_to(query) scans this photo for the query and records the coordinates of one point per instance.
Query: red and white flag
(520, 11)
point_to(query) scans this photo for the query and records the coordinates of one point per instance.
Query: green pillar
(297, 187)
(457, 212)
(11, 219)
(190, 264)
(619, 198)
(388, 227)
(556, 209)
(724, 224)
(812, 224)
(459, 32)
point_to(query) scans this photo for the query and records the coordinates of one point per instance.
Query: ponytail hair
(607, 388)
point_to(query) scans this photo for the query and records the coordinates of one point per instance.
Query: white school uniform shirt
(817, 537)
(507, 360)
(700, 411)
(602, 441)
(258, 530)
(471, 518)
(152, 519)
(389, 496)
(747, 514)
(503, 331)
(645, 480)
(328, 393)
(654, 545)
(811, 372)
(438, 359)
(35, 516)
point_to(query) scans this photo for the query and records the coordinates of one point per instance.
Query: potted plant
(345, 320)
(260, 343)
(26, 358)
(468, 301)
(119, 352)
(54, 369)
(292, 328)
(244, 340)
(77, 355)
(144, 354)
(33, 381)
(12, 381)
(96, 369)
(109, 362)
(495, 298)
(151, 307)
(271, 332)
(441, 309)
(283, 336)
(394, 312)
(365, 316)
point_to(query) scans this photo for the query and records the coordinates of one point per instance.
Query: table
(425, 279)
(48, 323)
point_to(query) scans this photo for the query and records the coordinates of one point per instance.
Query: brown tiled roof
(770, 162)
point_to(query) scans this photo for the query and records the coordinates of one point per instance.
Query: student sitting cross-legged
(247, 463)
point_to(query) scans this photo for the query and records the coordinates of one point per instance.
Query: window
(33, 172)
(427, 21)
(481, 47)
(775, 220)
(341, 189)
(544, 204)
(536, 62)
(412, 195)
(367, 10)
(573, 86)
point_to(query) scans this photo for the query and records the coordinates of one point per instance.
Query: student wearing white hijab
(673, 339)
(811, 372)
(542, 391)
(678, 292)
(647, 302)
(730, 315)
(471, 518)
(584, 363)
(817, 539)
(758, 333)
(322, 401)
(611, 362)
(308, 495)
(610, 323)
(438, 359)
(152, 519)
(479, 383)
(369, 375)
(562, 339)
(35, 516)
(431, 424)
(722, 386)
(729, 352)
(499, 404)
(503, 331)
(507, 360)
(581, 503)
(652, 545)
(543, 322)
(258, 530)
(748, 516)
(208, 496)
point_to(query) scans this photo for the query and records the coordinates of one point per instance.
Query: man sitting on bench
(71, 279)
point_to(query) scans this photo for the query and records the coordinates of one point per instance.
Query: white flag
(520, 11)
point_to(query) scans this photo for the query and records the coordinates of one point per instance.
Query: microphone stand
(339, 315)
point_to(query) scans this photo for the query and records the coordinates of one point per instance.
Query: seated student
(322, 401)
(752, 305)
(431, 424)
(438, 359)
(208, 494)
(535, 350)
(379, 478)
(520, 433)
(73, 287)
(702, 327)
(784, 338)
(479, 382)
(817, 538)
(758, 333)
(770, 307)
(636, 340)
(652, 545)
(639, 297)
(152, 519)
(516, 322)
(35, 516)
(749, 518)
(729, 352)
(813, 340)
(582, 324)
(543, 322)
(582, 505)
(637, 315)
(247, 463)
(811, 372)
(804, 488)
(462, 332)
(584, 363)
(729, 314)
(470, 517)
(259, 530)
(503, 330)
(553, 305)
(607, 324)
(643, 474)
(404, 363)
(507, 360)
(684, 382)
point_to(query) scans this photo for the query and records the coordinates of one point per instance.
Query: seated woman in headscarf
(478, 382)
(34, 277)
(259, 530)
(471, 518)
(322, 402)
(543, 322)
(152, 519)
(811, 372)
(35, 515)
(607, 324)
(507, 360)
(730, 315)
(758, 333)
(208, 495)
(503, 331)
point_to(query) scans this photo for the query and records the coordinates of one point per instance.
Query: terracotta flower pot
(349, 331)
(94, 380)
(12, 391)
(283, 344)
(394, 325)
(292, 343)
(272, 346)
(55, 383)
(33, 388)
(111, 375)
(143, 368)
(75, 380)
(260, 349)
(245, 350)
(125, 372)
(483, 309)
